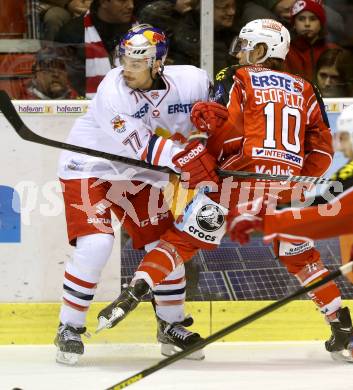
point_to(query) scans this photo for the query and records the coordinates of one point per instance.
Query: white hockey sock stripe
(69, 302)
(331, 307)
(78, 293)
(170, 292)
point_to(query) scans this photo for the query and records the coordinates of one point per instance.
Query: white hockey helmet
(268, 31)
(345, 122)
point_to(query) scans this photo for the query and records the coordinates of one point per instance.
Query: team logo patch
(156, 113)
(118, 124)
(292, 249)
(221, 74)
(219, 93)
(270, 24)
(154, 37)
(155, 95)
(298, 86)
(210, 218)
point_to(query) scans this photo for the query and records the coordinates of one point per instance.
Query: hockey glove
(208, 116)
(241, 222)
(196, 165)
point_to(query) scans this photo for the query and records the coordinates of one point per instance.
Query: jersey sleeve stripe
(150, 147)
(326, 154)
(144, 154)
(321, 105)
(311, 98)
(289, 237)
(233, 139)
(159, 151)
(311, 109)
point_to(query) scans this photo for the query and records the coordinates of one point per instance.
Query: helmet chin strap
(159, 71)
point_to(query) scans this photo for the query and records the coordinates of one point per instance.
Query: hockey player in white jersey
(135, 105)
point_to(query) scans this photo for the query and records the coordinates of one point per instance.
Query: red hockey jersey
(276, 125)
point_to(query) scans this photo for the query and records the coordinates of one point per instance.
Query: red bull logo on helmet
(154, 37)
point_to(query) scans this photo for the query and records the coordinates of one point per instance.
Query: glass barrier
(56, 49)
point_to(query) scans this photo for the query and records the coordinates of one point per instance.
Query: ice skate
(69, 343)
(122, 306)
(340, 344)
(174, 338)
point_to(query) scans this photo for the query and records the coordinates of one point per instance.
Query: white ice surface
(241, 366)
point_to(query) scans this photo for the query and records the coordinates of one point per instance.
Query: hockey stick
(10, 113)
(343, 270)
(266, 176)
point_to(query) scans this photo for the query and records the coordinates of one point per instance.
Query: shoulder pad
(227, 73)
(344, 173)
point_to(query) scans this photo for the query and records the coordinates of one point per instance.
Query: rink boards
(34, 248)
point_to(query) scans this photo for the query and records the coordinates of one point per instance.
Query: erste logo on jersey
(265, 80)
(279, 155)
(141, 112)
(118, 124)
(180, 107)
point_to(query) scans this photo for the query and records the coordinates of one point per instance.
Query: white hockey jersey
(135, 124)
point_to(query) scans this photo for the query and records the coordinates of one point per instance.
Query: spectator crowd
(78, 40)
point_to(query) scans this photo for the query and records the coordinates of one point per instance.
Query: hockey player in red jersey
(279, 127)
(328, 215)
(275, 124)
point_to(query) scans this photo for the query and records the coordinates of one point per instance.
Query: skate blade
(67, 358)
(170, 350)
(105, 323)
(342, 356)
